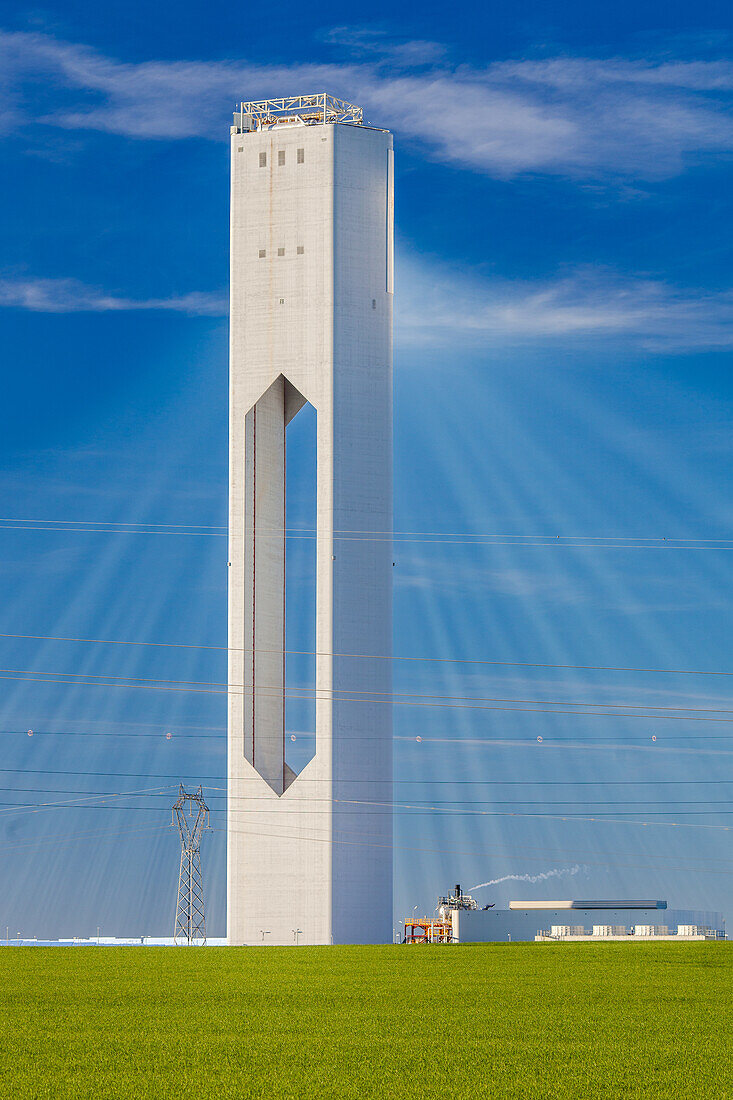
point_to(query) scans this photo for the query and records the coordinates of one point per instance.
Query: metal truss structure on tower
(191, 815)
(303, 110)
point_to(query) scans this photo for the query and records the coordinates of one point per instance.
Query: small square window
(300, 250)
(301, 156)
(263, 253)
(281, 251)
(263, 160)
(280, 157)
(282, 301)
(240, 149)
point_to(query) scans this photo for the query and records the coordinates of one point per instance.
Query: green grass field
(503, 1020)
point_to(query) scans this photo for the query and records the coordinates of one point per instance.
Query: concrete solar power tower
(309, 854)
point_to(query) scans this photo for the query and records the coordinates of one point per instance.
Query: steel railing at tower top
(308, 110)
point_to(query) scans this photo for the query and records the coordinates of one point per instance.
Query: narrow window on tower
(300, 250)
(281, 251)
(301, 156)
(263, 160)
(280, 157)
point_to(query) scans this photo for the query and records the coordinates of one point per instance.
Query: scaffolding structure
(296, 110)
(428, 930)
(191, 815)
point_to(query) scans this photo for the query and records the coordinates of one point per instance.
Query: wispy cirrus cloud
(73, 296)
(587, 119)
(377, 43)
(440, 305)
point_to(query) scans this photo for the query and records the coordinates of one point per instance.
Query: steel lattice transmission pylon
(191, 815)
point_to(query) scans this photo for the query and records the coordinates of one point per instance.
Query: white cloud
(440, 306)
(366, 41)
(72, 296)
(584, 118)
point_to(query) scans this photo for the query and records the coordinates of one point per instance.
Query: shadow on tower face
(280, 579)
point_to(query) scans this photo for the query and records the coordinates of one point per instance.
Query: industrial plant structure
(460, 920)
(310, 854)
(527, 920)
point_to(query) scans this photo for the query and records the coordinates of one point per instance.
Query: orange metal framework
(428, 930)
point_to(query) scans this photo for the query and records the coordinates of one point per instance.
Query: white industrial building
(630, 921)
(310, 855)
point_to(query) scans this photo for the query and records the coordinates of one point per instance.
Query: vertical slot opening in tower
(300, 588)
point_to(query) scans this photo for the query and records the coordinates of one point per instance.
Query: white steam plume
(556, 873)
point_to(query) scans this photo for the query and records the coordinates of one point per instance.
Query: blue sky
(564, 325)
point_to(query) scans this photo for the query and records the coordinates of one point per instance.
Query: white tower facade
(310, 855)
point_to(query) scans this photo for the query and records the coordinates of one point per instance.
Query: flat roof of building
(612, 904)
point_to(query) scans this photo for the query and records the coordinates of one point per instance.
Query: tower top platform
(297, 110)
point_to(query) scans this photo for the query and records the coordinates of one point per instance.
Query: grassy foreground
(504, 1020)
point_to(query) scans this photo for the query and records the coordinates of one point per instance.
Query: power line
(502, 853)
(453, 851)
(373, 656)
(113, 834)
(544, 742)
(340, 530)
(416, 810)
(397, 782)
(339, 693)
(394, 699)
(351, 534)
(378, 808)
(162, 792)
(108, 834)
(75, 803)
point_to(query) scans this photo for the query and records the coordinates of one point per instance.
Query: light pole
(297, 932)
(264, 932)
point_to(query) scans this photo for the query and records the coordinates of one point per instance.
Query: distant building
(574, 920)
